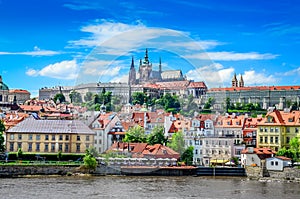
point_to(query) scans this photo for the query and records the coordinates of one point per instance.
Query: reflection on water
(144, 187)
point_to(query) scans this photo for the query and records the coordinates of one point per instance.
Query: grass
(41, 163)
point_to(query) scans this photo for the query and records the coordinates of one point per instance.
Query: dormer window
(270, 119)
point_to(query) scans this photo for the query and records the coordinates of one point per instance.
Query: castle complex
(146, 74)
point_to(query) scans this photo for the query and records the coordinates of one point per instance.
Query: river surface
(144, 187)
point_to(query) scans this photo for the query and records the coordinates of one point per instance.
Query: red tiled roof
(283, 158)
(19, 91)
(197, 85)
(255, 88)
(259, 151)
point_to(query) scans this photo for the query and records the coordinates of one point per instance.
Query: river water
(144, 187)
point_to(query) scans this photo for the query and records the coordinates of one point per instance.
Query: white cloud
(231, 56)
(61, 70)
(252, 78)
(100, 67)
(122, 79)
(292, 72)
(36, 52)
(214, 75)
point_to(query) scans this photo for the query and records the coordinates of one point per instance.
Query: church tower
(145, 69)
(241, 82)
(234, 81)
(132, 74)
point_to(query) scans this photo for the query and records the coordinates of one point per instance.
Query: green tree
(135, 134)
(187, 155)
(93, 151)
(139, 98)
(75, 97)
(88, 96)
(209, 103)
(59, 155)
(294, 147)
(19, 153)
(2, 129)
(177, 142)
(89, 162)
(157, 136)
(59, 97)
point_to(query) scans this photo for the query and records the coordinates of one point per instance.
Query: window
(60, 137)
(11, 146)
(271, 130)
(276, 163)
(260, 139)
(87, 146)
(78, 137)
(37, 147)
(276, 130)
(46, 137)
(20, 137)
(30, 137)
(296, 130)
(287, 140)
(52, 147)
(19, 145)
(196, 151)
(95, 141)
(266, 139)
(266, 130)
(38, 137)
(66, 148)
(260, 129)
(53, 137)
(29, 147)
(77, 147)
(272, 163)
(288, 129)
(87, 138)
(12, 137)
(67, 137)
(60, 147)
(46, 148)
(196, 142)
(276, 140)
(271, 140)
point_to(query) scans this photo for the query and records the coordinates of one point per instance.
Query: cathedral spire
(132, 63)
(159, 65)
(146, 57)
(234, 81)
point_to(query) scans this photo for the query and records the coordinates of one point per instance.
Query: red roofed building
(265, 96)
(143, 150)
(18, 96)
(253, 156)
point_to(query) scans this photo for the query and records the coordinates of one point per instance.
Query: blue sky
(67, 42)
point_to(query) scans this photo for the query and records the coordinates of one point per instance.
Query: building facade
(266, 96)
(49, 136)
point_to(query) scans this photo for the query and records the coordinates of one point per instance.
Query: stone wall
(254, 172)
(288, 173)
(22, 170)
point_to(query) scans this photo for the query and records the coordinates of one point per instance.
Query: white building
(278, 163)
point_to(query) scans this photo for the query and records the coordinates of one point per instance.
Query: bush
(47, 156)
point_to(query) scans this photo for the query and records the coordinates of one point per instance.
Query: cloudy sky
(68, 42)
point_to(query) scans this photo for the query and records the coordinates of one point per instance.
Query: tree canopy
(177, 142)
(75, 97)
(157, 136)
(187, 155)
(135, 134)
(59, 97)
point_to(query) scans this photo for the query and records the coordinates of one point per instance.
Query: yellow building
(277, 129)
(49, 136)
